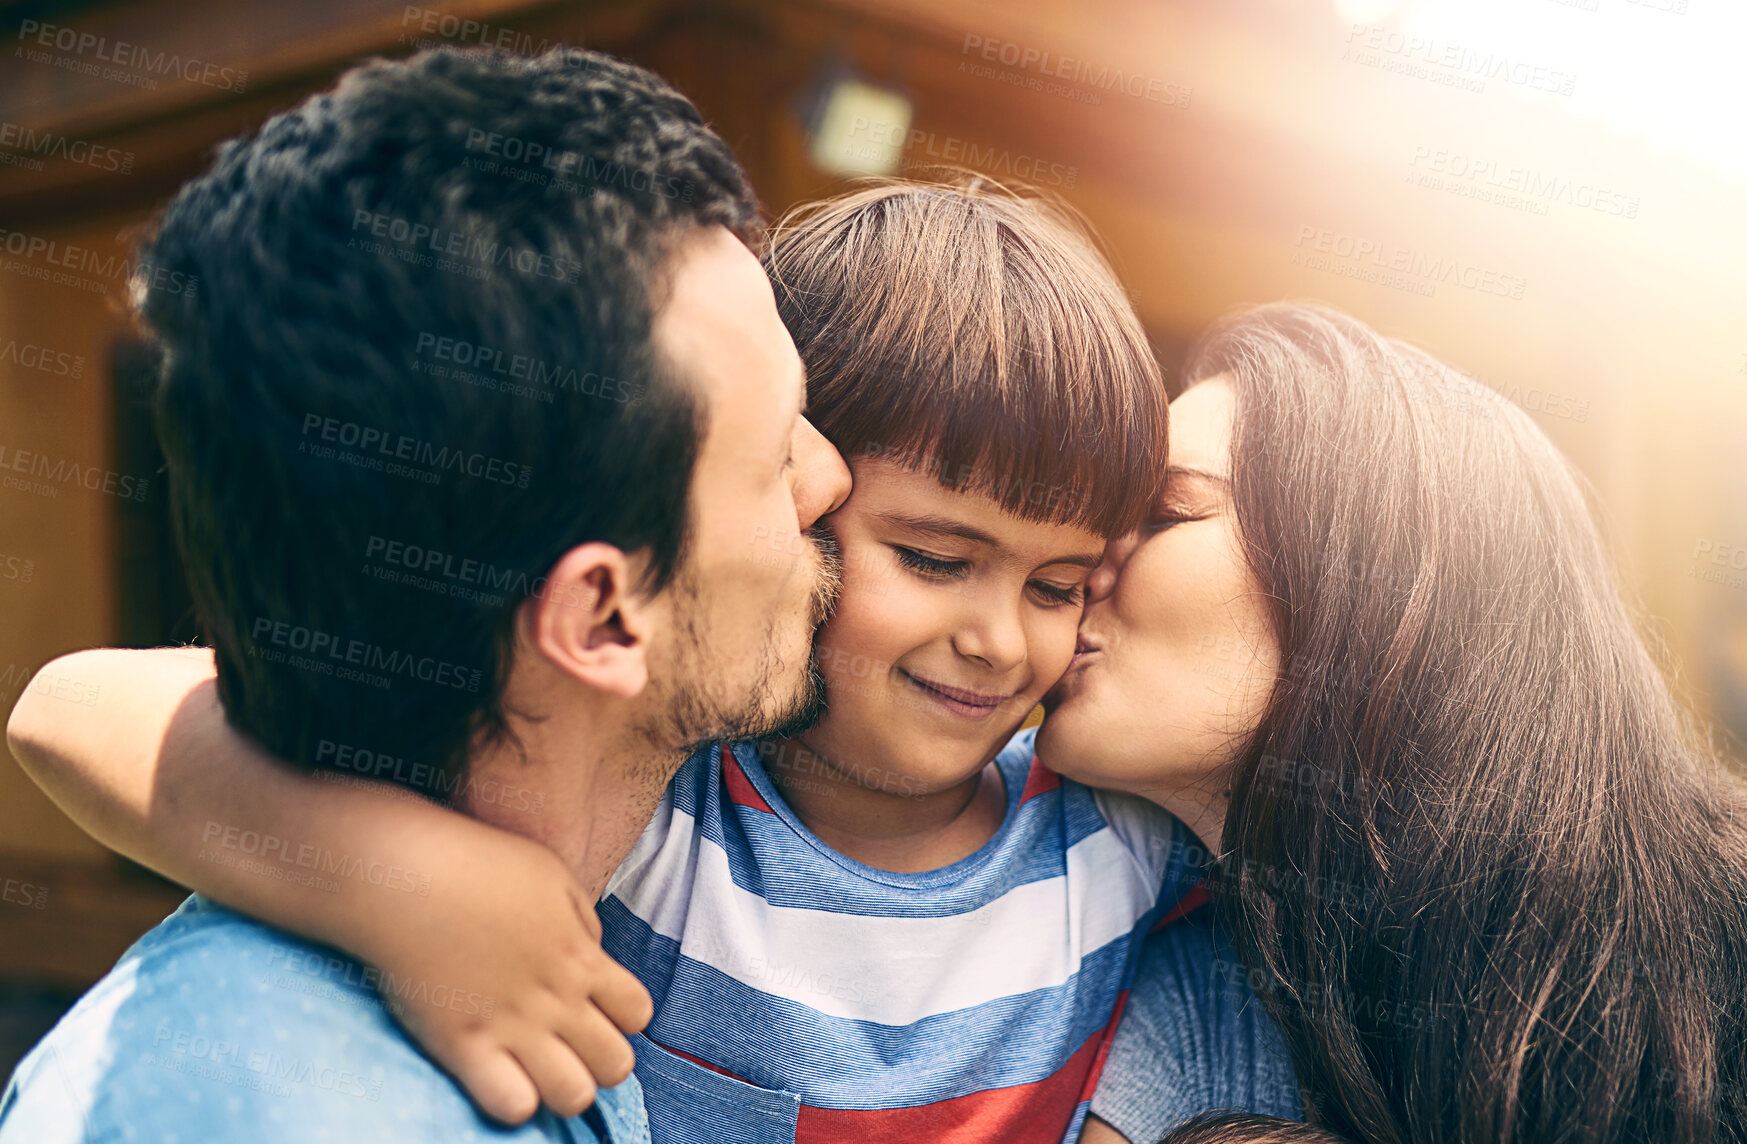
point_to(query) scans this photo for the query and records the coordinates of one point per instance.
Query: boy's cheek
(846, 672)
(881, 606)
(857, 585)
(1052, 649)
(868, 566)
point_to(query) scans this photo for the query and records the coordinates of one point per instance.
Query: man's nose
(1102, 581)
(821, 477)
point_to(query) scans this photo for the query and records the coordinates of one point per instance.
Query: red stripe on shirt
(1039, 780)
(1097, 1071)
(1036, 1113)
(741, 792)
(1191, 901)
(699, 1061)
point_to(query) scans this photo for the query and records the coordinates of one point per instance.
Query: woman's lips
(1085, 647)
(958, 700)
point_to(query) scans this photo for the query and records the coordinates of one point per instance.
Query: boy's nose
(995, 638)
(821, 478)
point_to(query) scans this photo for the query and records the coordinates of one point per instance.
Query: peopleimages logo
(136, 58)
(463, 578)
(28, 146)
(1728, 563)
(1086, 81)
(1521, 188)
(454, 249)
(877, 139)
(341, 978)
(17, 893)
(322, 647)
(439, 27)
(492, 367)
(16, 568)
(1390, 264)
(66, 264)
(569, 170)
(64, 473)
(39, 358)
(400, 447)
(425, 777)
(1449, 63)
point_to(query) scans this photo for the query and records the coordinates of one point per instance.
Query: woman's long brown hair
(1476, 863)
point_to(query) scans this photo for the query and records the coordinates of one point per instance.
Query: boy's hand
(499, 974)
(490, 952)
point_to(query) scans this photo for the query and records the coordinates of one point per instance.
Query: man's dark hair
(412, 370)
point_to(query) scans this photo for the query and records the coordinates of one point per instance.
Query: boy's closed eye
(929, 566)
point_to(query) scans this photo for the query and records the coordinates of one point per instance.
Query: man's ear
(591, 623)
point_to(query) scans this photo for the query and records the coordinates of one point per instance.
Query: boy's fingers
(591, 922)
(564, 1083)
(498, 1084)
(621, 996)
(601, 1047)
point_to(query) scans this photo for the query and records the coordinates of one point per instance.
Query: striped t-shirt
(801, 995)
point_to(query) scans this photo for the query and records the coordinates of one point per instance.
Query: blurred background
(1548, 193)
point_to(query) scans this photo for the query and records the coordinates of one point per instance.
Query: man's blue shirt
(215, 1027)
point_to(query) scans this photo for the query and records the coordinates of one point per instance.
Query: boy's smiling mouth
(958, 700)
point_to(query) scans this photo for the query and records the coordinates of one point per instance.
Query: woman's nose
(1102, 581)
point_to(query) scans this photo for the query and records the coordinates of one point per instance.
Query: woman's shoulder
(1193, 1037)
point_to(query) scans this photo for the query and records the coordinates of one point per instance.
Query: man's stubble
(783, 699)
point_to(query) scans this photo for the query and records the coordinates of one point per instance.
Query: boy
(889, 926)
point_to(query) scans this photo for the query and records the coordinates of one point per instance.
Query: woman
(1467, 851)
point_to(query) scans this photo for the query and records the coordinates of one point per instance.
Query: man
(480, 428)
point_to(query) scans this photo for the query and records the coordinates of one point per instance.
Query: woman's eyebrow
(1183, 471)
